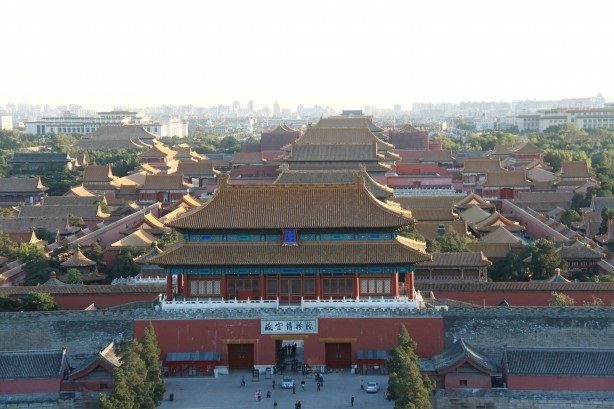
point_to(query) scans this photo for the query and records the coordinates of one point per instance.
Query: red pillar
(180, 284)
(356, 286)
(262, 285)
(224, 286)
(395, 285)
(185, 288)
(318, 286)
(409, 285)
(169, 287)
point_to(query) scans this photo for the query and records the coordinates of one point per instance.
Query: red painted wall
(452, 381)
(370, 334)
(565, 383)
(522, 298)
(17, 386)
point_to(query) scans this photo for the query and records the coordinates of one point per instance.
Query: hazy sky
(342, 53)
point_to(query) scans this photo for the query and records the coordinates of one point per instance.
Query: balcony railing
(324, 303)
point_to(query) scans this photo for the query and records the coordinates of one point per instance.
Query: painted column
(224, 286)
(356, 286)
(262, 285)
(186, 287)
(409, 284)
(395, 285)
(318, 286)
(169, 287)
(180, 284)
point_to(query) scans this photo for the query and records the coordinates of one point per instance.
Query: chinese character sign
(289, 326)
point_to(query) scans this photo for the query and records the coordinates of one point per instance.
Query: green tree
(7, 247)
(578, 201)
(38, 302)
(544, 259)
(169, 237)
(570, 216)
(151, 356)
(607, 214)
(122, 396)
(510, 268)
(44, 234)
(595, 302)
(76, 221)
(561, 300)
(124, 265)
(450, 242)
(9, 305)
(122, 161)
(408, 388)
(74, 276)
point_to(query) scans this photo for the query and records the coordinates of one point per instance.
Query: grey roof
(17, 184)
(90, 211)
(600, 203)
(26, 224)
(559, 361)
(192, 356)
(32, 364)
(459, 351)
(71, 200)
(38, 157)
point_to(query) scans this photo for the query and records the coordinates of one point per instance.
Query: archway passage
(338, 355)
(290, 355)
(240, 356)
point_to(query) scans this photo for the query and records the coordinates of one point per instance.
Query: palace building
(291, 242)
(316, 265)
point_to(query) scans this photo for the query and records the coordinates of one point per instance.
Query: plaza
(226, 392)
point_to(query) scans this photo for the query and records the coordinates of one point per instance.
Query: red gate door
(240, 356)
(338, 355)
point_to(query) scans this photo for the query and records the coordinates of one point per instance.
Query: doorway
(289, 355)
(338, 355)
(240, 356)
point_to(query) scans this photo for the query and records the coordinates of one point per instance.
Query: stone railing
(370, 302)
(139, 280)
(205, 304)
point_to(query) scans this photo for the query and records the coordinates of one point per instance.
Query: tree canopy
(450, 242)
(406, 385)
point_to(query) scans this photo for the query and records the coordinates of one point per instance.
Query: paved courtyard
(226, 393)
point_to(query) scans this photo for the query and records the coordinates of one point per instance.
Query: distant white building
(6, 123)
(83, 125)
(584, 118)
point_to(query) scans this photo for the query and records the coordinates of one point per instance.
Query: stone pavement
(226, 393)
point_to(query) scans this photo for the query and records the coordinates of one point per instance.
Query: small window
(462, 382)
(289, 237)
(104, 386)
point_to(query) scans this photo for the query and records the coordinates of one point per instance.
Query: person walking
(275, 405)
(273, 383)
(352, 401)
(318, 386)
(303, 384)
(362, 385)
(293, 389)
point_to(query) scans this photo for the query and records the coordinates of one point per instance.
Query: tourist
(242, 381)
(318, 386)
(275, 405)
(273, 383)
(362, 385)
(303, 384)
(352, 401)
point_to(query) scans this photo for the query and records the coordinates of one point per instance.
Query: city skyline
(150, 54)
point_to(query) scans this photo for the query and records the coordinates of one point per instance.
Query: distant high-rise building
(276, 110)
(236, 105)
(6, 123)
(250, 106)
(397, 108)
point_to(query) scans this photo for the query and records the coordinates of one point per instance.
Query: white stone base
(262, 368)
